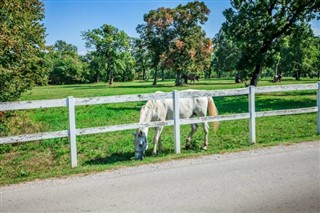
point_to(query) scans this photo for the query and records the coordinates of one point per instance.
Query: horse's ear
(140, 132)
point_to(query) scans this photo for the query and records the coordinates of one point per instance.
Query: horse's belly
(185, 109)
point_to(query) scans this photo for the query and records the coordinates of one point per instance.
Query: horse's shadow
(110, 159)
(122, 157)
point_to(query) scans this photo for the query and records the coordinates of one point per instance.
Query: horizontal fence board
(104, 129)
(34, 137)
(5, 106)
(213, 93)
(121, 98)
(214, 118)
(285, 88)
(287, 112)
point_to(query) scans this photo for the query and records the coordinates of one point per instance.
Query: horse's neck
(146, 115)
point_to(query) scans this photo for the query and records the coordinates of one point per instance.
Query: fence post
(318, 113)
(176, 118)
(72, 131)
(252, 112)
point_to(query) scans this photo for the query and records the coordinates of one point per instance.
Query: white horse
(161, 110)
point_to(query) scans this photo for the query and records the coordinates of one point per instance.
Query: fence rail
(72, 102)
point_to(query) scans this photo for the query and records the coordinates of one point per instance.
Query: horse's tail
(213, 112)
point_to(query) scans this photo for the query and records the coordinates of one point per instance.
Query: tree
(157, 34)
(299, 53)
(67, 66)
(110, 43)
(142, 57)
(226, 54)
(96, 67)
(257, 27)
(22, 42)
(190, 50)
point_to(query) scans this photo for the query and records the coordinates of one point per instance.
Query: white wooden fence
(71, 102)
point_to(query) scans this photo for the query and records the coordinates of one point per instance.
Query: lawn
(99, 152)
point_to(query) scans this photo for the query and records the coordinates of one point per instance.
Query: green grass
(99, 152)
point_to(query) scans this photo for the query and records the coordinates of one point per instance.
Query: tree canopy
(22, 42)
(175, 37)
(257, 27)
(111, 44)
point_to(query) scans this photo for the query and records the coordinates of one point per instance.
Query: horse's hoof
(204, 148)
(154, 154)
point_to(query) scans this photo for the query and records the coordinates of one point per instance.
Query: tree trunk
(97, 77)
(155, 75)
(178, 77)
(111, 81)
(111, 77)
(255, 75)
(143, 73)
(276, 68)
(162, 73)
(298, 74)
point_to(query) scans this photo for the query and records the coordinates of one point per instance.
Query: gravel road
(276, 179)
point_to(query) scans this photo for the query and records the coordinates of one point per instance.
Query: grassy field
(51, 158)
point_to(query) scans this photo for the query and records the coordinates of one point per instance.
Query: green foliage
(175, 38)
(300, 53)
(156, 35)
(191, 50)
(226, 54)
(257, 27)
(66, 66)
(142, 56)
(110, 45)
(22, 39)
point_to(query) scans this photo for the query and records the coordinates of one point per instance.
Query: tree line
(258, 38)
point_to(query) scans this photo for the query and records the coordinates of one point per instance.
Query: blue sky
(66, 19)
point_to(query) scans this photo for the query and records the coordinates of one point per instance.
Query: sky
(66, 19)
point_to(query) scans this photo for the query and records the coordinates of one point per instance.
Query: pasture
(50, 158)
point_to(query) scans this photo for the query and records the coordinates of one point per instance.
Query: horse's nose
(138, 156)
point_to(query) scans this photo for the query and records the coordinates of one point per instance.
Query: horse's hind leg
(194, 128)
(206, 136)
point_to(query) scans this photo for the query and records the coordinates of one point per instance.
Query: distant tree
(96, 67)
(22, 42)
(299, 53)
(142, 57)
(226, 55)
(67, 66)
(125, 72)
(157, 34)
(257, 27)
(190, 50)
(109, 43)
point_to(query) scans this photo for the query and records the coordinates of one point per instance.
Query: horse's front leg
(156, 138)
(206, 136)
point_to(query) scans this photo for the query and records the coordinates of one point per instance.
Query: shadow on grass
(239, 104)
(113, 158)
(122, 157)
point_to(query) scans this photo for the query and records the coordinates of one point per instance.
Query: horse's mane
(146, 111)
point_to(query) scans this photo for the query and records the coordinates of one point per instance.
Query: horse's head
(140, 144)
